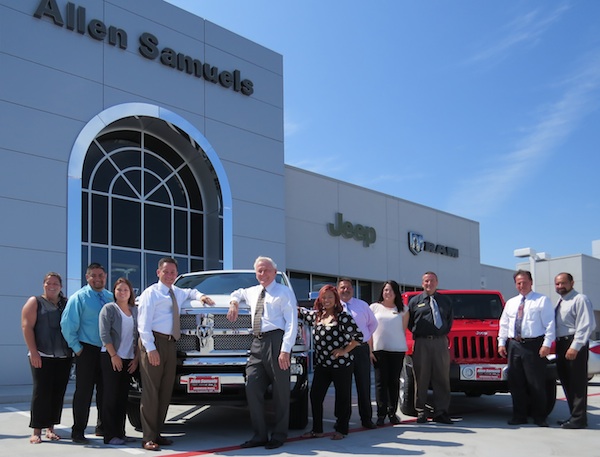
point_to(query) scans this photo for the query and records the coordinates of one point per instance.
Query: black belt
(565, 338)
(262, 335)
(430, 337)
(528, 340)
(164, 336)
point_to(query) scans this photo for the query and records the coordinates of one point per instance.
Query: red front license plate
(203, 385)
(488, 374)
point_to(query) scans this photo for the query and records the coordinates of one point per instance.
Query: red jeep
(475, 366)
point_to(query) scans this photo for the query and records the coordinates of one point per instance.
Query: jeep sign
(348, 230)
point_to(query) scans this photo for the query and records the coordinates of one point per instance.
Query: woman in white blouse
(388, 346)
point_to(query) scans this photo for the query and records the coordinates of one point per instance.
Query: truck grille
(474, 348)
(208, 331)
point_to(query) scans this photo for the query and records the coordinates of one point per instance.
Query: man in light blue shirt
(79, 325)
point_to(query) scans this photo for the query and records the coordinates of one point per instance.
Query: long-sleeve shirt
(155, 312)
(575, 317)
(280, 311)
(362, 315)
(538, 319)
(79, 322)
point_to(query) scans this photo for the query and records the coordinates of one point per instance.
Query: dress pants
(527, 379)
(431, 363)
(387, 381)
(573, 377)
(157, 385)
(342, 382)
(49, 386)
(116, 389)
(362, 378)
(88, 376)
(263, 370)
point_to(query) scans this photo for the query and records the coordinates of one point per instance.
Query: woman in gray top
(119, 358)
(49, 356)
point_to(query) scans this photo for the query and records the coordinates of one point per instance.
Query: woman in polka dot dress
(335, 335)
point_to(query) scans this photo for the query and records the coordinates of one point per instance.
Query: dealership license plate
(488, 373)
(203, 385)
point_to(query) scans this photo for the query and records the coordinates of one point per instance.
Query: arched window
(148, 190)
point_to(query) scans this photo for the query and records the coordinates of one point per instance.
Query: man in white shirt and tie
(158, 326)
(525, 336)
(275, 327)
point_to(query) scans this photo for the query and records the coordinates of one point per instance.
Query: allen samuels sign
(74, 18)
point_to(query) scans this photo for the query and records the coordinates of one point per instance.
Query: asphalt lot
(479, 430)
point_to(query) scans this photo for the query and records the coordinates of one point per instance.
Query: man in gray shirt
(574, 325)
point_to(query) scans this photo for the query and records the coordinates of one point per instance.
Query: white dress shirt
(280, 311)
(538, 319)
(156, 311)
(575, 317)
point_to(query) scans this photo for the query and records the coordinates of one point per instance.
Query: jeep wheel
(133, 413)
(299, 411)
(407, 388)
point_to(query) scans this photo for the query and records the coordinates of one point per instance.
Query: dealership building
(133, 129)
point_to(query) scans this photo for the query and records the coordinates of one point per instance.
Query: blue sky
(489, 110)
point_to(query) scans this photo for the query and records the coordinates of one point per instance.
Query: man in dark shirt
(430, 320)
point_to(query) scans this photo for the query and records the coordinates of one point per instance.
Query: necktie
(519, 319)
(557, 309)
(437, 318)
(258, 313)
(176, 332)
(101, 298)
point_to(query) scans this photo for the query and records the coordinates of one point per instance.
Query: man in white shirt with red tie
(275, 327)
(158, 326)
(525, 336)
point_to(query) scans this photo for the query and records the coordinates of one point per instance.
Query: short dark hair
(568, 275)
(522, 273)
(167, 260)
(94, 266)
(430, 273)
(343, 279)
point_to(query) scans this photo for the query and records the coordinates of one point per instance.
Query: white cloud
(525, 30)
(481, 195)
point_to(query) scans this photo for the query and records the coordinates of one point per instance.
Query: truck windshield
(475, 306)
(221, 283)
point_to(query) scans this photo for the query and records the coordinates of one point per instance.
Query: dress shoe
(442, 419)
(422, 418)
(380, 421)
(517, 421)
(394, 420)
(273, 444)
(150, 446)
(368, 424)
(162, 441)
(571, 425)
(80, 439)
(248, 444)
(560, 422)
(99, 431)
(541, 423)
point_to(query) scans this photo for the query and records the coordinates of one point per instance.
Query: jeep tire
(407, 388)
